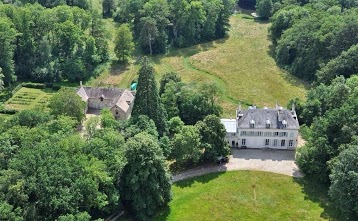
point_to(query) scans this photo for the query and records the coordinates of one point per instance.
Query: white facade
(263, 128)
(267, 138)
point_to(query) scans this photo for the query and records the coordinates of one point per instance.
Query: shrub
(34, 85)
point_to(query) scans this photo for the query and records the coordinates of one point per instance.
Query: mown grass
(29, 98)
(248, 195)
(240, 65)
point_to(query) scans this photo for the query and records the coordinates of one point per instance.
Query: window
(267, 134)
(290, 143)
(268, 124)
(283, 134)
(252, 124)
(251, 133)
(275, 142)
(283, 143)
(267, 142)
(243, 142)
(275, 134)
(117, 112)
(101, 98)
(243, 133)
(259, 133)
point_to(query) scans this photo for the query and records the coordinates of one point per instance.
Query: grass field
(28, 98)
(240, 65)
(247, 195)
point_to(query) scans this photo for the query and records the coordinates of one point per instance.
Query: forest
(317, 41)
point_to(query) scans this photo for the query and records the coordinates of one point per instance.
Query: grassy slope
(246, 195)
(240, 65)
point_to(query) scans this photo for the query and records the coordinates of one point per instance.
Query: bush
(8, 111)
(34, 85)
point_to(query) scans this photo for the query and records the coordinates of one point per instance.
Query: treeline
(48, 171)
(50, 45)
(156, 24)
(85, 4)
(317, 41)
(331, 151)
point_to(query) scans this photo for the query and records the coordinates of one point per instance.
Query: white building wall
(256, 138)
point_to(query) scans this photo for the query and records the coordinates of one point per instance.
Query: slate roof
(277, 118)
(120, 97)
(230, 125)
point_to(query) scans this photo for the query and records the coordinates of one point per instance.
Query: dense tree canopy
(316, 39)
(157, 23)
(67, 102)
(47, 45)
(344, 178)
(146, 186)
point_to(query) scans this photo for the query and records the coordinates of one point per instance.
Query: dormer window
(268, 124)
(252, 124)
(284, 124)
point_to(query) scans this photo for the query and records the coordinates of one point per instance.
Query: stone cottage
(118, 101)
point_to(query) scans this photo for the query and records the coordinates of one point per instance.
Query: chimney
(293, 108)
(81, 83)
(239, 107)
(277, 106)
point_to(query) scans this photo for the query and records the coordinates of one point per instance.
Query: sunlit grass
(246, 195)
(240, 65)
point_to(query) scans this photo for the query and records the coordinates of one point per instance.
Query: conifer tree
(147, 101)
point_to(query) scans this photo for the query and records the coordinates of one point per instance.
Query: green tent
(134, 86)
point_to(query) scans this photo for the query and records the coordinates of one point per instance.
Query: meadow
(240, 65)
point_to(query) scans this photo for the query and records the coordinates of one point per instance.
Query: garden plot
(29, 98)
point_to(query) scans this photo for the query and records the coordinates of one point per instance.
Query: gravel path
(276, 161)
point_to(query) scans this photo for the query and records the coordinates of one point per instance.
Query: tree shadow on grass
(163, 214)
(200, 179)
(117, 68)
(318, 193)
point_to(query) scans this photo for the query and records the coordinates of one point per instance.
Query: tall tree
(213, 137)
(124, 43)
(1, 80)
(67, 102)
(7, 36)
(108, 7)
(344, 180)
(264, 8)
(147, 101)
(166, 78)
(169, 99)
(145, 186)
(186, 145)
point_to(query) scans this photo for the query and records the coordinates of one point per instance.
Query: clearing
(29, 98)
(240, 65)
(247, 195)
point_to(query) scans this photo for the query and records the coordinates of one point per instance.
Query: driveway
(276, 161)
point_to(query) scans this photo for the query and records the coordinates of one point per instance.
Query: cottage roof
(230, 125)
(119, 97)
(277, 118)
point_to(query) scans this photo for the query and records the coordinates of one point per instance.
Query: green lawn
(247, 195)
(29, 98)
(240, 65)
